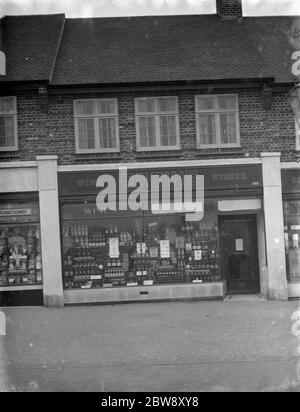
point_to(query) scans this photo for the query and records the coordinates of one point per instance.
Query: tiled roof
(30, 44)
(147, 49)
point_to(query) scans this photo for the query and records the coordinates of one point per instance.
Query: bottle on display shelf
(38, 262)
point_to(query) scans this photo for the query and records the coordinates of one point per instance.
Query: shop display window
(20, 255)
(292, 239)
(129, 250)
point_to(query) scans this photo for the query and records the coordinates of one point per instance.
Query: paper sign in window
(143, 248)
(239, 245)
(164, 249)
(197, 254)
(114, 252)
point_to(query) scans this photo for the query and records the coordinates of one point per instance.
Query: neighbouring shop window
(292, 239)
(20, 246)
(96, 125)
(297, 136)
(217, 118)
(157, 123)
(133, 250)
(8, 124)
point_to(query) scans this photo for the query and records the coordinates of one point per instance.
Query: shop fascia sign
(155, 191)
(15, 212)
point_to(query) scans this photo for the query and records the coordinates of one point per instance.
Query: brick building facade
(53, 62)
(48, 128)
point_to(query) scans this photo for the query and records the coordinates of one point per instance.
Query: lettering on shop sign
(15, 212)
(87, 182)
(12, 215)
(158, 191)
(225, 177)
(219, 177)
(89, 211)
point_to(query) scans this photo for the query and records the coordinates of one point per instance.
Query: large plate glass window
(157, 123)
(217, 118)
(116, 249)
(8, 124)
(20, 246)
(96, 125)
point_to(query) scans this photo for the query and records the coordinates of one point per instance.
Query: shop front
(291, 208)
(30, 250)
(21, 275)
(191, 234)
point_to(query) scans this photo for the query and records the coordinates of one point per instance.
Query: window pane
(292, 245)
(228, 128)
(6, 105)
(107, 129)
(207, 129)
(6, 131)
(168, 130)
(2, 132)
(106, 107)
(167, 105)
(206, 103)
(227, 102)
(86, 134)
(147, 131)
(146, 106)
(84, 107)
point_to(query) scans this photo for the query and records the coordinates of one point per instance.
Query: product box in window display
(20, 257)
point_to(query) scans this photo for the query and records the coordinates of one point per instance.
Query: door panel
(239, 256)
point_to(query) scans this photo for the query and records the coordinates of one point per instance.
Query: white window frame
(156, 114)
(15, 147)
(96, 117)
(217, 113)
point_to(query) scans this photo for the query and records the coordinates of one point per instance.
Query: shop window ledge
(156, 293)
(20, 288)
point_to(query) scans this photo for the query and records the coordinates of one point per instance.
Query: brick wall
(41, 132)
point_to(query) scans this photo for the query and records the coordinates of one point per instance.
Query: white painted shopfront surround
(42, 177)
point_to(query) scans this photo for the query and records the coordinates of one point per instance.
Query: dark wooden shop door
(239, 255)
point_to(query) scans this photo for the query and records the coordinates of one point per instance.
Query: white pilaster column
(273, 209)
(50, 231)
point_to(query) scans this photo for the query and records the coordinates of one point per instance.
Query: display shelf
(163, 253)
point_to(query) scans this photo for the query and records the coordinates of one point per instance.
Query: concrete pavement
(176, 346)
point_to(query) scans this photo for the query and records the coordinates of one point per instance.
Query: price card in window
(188, 246)
(143, 247)
(139, 248)
(114, 252)
(198, 254)
(164, 249)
